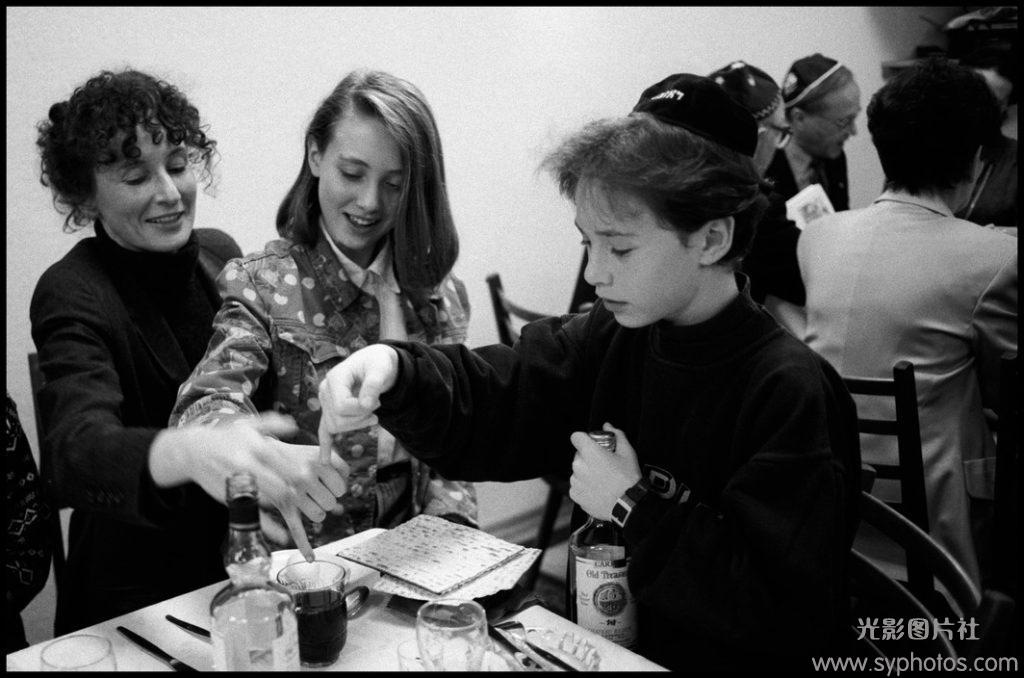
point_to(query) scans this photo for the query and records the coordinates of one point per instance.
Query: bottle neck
(247, 557)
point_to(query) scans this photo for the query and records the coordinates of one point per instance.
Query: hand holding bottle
(598, 478)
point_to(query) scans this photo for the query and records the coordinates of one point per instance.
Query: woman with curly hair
(367, 251)
(119, 322)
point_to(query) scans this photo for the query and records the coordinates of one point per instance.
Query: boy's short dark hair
(685, 179)
(928, 122)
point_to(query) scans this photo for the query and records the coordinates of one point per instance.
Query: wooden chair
(505, 311)
(909, 470)
(583, 294)
(1006, 515)
(875, 595)
(36, 379)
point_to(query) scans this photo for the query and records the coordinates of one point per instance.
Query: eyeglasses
(842, 123)
(784, 133)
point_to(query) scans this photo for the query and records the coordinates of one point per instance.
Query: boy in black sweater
(736, 474)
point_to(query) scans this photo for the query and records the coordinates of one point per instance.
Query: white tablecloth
(373, 634)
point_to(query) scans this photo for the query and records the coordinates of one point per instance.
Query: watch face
(662, 482)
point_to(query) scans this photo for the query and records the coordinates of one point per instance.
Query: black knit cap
(701, 106)
(750, 87)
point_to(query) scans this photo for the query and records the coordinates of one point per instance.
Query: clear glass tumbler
(452, 634)
(80, 652)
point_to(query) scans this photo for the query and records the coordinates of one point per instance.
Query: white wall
(504, 83)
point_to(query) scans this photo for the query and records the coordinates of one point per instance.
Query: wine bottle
(599, 595)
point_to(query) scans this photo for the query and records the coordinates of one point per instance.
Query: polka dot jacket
(289, 315)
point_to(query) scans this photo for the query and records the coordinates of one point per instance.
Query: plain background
(505, 85)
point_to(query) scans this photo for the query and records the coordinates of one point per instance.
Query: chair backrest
(583, 294)
(1006, 514)
(558, 487)
(505, 311)
(990, 610)
(909, 469)
(876, 597)
(37, 380)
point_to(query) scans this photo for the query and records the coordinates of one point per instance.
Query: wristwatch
(628, 501)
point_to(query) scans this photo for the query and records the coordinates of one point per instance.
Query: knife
(550, 656)
(191, 628)
(539, 656)
(148, 646)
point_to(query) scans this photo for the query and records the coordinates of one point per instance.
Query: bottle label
(252, 631)
(286, 645)
(604, 603)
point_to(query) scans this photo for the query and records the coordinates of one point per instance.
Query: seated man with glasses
(822, 103)
(771, 262)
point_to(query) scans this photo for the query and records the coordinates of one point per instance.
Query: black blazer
(838, 192)
(112, 368)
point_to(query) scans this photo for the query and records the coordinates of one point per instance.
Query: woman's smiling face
(147, 204)
(360, 176)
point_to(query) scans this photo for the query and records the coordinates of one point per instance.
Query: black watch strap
(628, 501)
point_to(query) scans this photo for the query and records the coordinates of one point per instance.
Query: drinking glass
(81, 652)
(319, 591)
(452, 634)
(409, 656)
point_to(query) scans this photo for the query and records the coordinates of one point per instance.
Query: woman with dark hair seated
(118, 323)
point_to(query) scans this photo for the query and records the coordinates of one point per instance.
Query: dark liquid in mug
(323, 625)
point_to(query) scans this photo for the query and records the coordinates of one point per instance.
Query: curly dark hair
(928, 122)
(79, 134)
(685, 179)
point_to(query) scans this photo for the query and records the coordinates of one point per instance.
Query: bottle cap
(604, 439)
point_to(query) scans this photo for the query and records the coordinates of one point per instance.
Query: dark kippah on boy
(738, 457)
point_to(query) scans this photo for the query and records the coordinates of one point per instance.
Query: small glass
(409, 656)
(319, 591)
(452, 634)
(81, 652)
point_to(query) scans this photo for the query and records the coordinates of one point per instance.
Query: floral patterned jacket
(289, 315)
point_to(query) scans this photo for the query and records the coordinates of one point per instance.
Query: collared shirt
(379, 280)
(804, 171)
(928, 202)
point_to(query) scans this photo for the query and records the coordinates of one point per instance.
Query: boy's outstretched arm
(350, 393)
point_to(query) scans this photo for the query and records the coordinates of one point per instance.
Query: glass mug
(319, 591)
(452, 634)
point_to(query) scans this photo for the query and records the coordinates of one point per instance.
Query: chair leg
(547, 526)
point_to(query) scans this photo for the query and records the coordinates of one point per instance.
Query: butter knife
(148, 646)
(188, 626)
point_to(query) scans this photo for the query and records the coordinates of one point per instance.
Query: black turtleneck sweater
(117, 332)
(750, 572)
(171, 283)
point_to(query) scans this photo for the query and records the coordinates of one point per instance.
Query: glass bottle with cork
(254, 627)
(599, 595)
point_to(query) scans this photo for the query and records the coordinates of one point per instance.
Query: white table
(373, 634)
